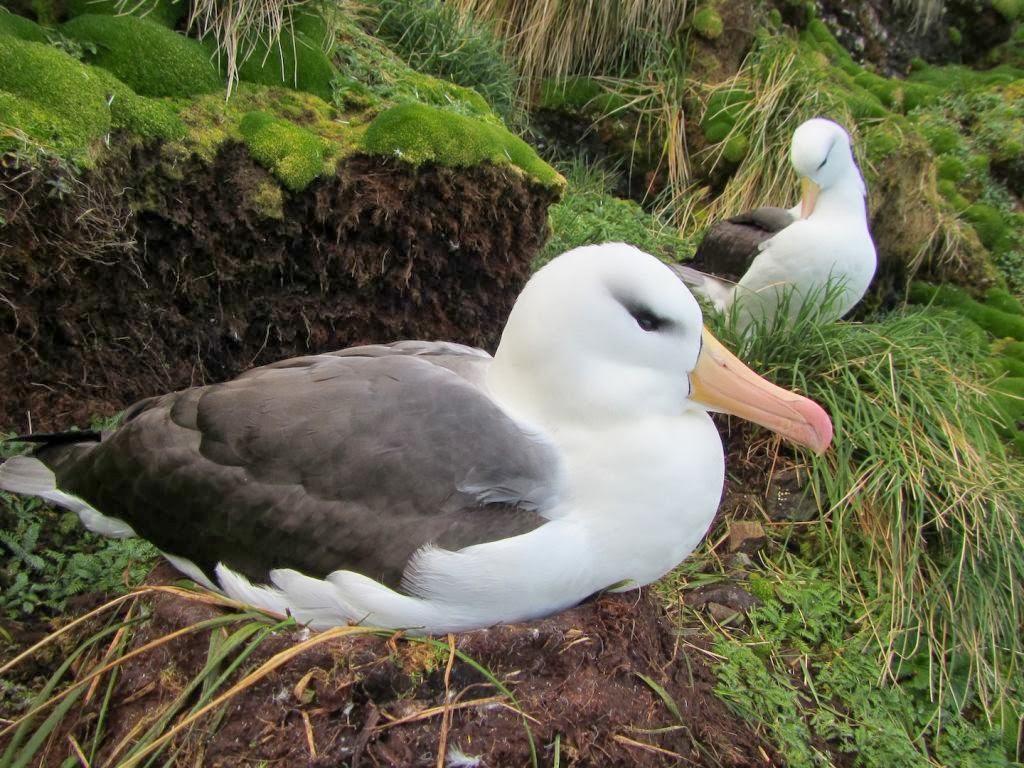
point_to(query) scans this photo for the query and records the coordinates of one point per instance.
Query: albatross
(429, 486)
(768, 252)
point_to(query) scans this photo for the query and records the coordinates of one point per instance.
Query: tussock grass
(779, 88)
(557, 38)
(922, 504)
(434, 36)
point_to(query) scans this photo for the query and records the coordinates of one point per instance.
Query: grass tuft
(922, 524)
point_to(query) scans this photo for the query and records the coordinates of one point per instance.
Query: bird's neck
(845, 197)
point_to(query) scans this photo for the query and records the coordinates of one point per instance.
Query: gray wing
(350, 460)
(730, 246)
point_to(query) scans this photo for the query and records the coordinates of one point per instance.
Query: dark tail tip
(59, 438)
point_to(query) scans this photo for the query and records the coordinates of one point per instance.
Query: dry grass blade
(248, 681)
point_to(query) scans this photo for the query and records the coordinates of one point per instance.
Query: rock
(746, 536)
(787, 498)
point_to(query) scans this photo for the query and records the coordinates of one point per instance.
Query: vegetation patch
(292, 61)
(294, 154)
(167, 13)
(418, 133)
(437, 38)
(20, 27)
(151, 59)
(56, 101)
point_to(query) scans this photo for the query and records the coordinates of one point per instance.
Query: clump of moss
(151, 59)
(292, 153)
(166, 13)
(1010, 10)
(736, 147)
(293, 61)
(708, 23)
(20, 27)
(418, 133)
(65, 105)
(988, 316)
(582, 95)
(724, 108)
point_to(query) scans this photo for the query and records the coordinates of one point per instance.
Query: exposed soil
(155, 273)
(578, 678)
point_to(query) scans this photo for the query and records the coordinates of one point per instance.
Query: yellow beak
(720, 382)
(809, 196)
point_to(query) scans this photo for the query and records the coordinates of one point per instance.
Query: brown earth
(577, 682)
(136, 280)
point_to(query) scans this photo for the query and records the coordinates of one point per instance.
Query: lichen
(418, 133)
(151, 59)
(294, 154)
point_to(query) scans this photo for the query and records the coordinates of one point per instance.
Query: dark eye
(823, 163)
(647, 320)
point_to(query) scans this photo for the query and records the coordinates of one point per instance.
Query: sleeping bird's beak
(809, 196)
(720, 382)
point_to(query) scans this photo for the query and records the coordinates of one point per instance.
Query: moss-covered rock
(294, 154)
(418, 133)
(151, 59)
(167, 13)
(293, 61)
(20, 27)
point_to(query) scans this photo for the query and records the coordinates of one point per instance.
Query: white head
(822, 155)
(607, 332)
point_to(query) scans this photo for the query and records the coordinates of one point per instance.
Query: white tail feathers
(29, 476)
(25, 474)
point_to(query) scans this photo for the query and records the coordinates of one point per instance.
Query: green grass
(435, 38)
(922, 503)
(588, 213)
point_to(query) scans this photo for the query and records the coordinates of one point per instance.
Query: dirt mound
(155, 273)
(606, 684)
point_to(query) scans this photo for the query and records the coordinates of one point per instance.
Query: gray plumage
(351, 460)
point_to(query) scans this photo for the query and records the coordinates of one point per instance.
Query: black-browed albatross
(767, 252)
(430, 486)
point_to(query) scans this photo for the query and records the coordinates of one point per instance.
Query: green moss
(988, 223)
(708, 23)
(152, 60)
(1003, 300)
(578, 94)
(724, 108)
(997, 322)
(950, 191)
(419, 133)
(942, 138)
(951, 168)
(294, 154)
(166, 13)
(736, 147)
(294, 61)
(20, 27)
(1009, 9)
(47, 11)
(65, 105)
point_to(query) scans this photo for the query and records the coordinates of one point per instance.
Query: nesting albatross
(430, 486)
(766, 252)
